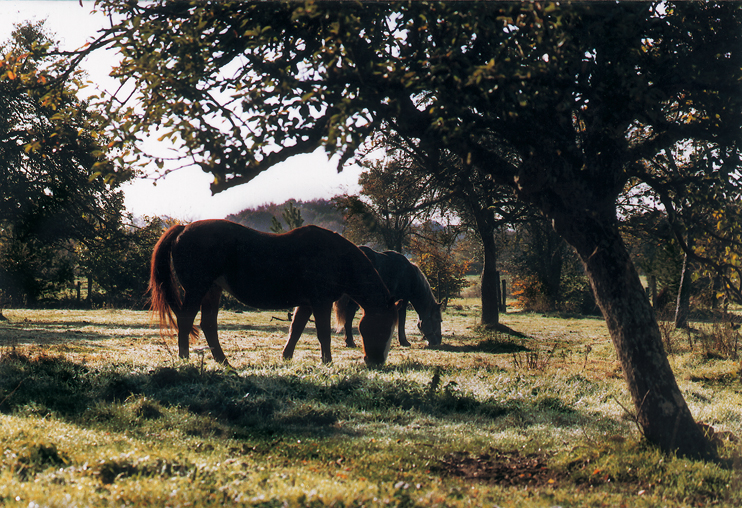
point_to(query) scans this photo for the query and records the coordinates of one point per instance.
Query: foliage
(395, 194)
(719, 246)
(654, 249)
(101, 413)
(511, 58)
(52, 148)
(722, 338)
(433, 248)
(292, 217)
(31, 270)
(118, 260)
(547, 275)
(319, 212)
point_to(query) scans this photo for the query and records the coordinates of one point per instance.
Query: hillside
(319, 212)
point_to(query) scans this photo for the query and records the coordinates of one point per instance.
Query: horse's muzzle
(371, 364)
(435, 340)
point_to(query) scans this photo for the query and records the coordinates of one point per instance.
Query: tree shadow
(227, 403)
(277, 328)
(492, 346)
(13, 335)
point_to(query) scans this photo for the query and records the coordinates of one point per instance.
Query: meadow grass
(97, 410)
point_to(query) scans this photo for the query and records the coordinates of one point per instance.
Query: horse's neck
(422, 296)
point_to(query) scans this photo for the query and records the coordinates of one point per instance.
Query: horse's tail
(163, 290)
(341, 312)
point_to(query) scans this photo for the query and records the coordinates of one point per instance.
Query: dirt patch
(501, 468)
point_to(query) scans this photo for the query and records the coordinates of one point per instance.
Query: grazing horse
(308, 268)
(405, 282)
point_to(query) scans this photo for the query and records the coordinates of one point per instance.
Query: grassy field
(96, 410)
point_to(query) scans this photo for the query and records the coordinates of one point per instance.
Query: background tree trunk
(490, 281)
(661, 411)
(504, 297)
(682, 309)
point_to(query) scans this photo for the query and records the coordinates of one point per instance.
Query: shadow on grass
(225, 403)
(492, 346)
(15, 335)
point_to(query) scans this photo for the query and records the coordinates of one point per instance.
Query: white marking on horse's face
(430, 327)
(373, 328)
(388, 343)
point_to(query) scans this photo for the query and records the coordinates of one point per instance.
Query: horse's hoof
(405, 343)
(350, 344)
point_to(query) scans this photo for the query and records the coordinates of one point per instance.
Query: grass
(96, 410)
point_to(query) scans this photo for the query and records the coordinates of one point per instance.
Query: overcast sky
(185, 193)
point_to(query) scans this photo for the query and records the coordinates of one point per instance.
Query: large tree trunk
(661, 411)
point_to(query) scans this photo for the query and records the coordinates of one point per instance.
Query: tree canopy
(568, 104)
(50, 147)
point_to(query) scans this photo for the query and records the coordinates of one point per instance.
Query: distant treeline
(320, 212)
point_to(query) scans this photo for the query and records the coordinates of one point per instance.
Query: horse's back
(397, 272)
(263, 270)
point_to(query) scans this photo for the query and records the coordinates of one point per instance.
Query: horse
(308, 268)
(406, 283)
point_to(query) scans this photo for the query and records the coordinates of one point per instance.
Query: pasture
(97, 410)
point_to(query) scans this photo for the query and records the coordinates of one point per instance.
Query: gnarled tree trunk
(662, 412)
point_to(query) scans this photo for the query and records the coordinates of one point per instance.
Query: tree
(292, 217)
(547, 274)
(486, 207)
(395, 194)
(117, 258)
(433, 244)
(482, 204)
(565, 103)
(50, 147)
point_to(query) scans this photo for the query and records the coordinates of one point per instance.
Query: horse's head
(429, 325)
(376, 328)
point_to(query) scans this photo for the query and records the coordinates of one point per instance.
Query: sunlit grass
(97, 410)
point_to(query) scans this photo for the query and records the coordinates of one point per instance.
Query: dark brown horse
(405, 282)
(308, 268)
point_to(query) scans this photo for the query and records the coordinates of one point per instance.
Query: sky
(183, 194)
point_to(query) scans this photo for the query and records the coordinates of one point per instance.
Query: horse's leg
(349, 315)
(298, 322)
(185, 318)
(402, 317)
(209, 312)
(324, 329)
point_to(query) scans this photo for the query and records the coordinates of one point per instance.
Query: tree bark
(682, 309)
(504, 297)
(490, 281)
(652, 281)
(661, 411)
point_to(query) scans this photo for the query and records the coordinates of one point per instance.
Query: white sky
(183, 194)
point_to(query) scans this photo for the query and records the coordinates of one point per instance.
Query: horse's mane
(422, 286)
(367, 291)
